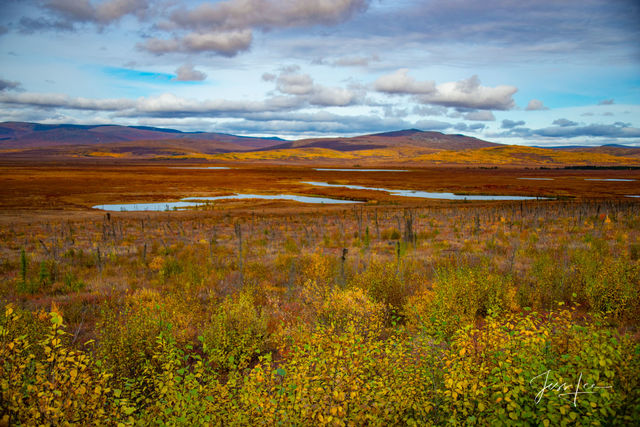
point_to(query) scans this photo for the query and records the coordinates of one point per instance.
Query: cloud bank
(468, 93)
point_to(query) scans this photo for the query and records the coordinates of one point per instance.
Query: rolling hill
(410, 147)
(27, 135)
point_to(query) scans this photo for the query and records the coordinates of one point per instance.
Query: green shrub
(503, 372)
(236, 334)
(127, 332)
(383, 283)
(49, 384)
(613, 288)
(462, 293)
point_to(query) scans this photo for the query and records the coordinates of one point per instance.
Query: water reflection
(189, 202)
(426, 194)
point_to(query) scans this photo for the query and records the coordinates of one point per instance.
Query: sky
(535, 72)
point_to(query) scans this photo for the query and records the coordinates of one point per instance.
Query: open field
(393, 311)
(77, 187)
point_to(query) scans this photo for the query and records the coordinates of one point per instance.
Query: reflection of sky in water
(198, 167)
(425, 194)
(362, 170)
(200, 201)
(538, 179)
(609, 179)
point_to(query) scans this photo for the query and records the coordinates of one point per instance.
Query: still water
(426, 194)
(189, 202)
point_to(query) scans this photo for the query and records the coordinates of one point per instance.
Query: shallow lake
(362, 170)
(609, 179)
(426, 194)
(189, 202)
(198, 167)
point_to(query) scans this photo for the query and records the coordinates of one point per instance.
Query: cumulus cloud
(223, 43)
(401, 83)
(510, 124)
(226, 27)
(291, 81)
(480, 116)
(564, 122)
(54, 100)
(186, 73)
(465, 94)
(266, 14)
(469, 93)
(331, 96)
(170, 105)
(535, 105)
(606, 102)
(9, 85)
(105, 12)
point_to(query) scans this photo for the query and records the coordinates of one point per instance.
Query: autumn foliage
(519, 313)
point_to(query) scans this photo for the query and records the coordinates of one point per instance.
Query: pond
(609, 179)
(198, 167)
(426, 194)
(189, 202)
(361, 170)
(537, 179)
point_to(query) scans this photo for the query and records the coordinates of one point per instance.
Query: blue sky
(538, 72)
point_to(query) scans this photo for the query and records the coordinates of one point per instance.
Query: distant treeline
(597, 167)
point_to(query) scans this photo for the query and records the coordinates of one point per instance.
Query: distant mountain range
(35, 141)
(23, 135)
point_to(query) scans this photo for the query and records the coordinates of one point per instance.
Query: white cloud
(535, 105)
(401, 83)
(291, 82)
(267, 14)
(224, 43)
(331, 96)
(227, 43)
(469, 93)
(186, 73)
(226, 27)
(104, 12)
(54, 100)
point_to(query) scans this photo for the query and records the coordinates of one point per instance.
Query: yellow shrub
(352, 307)
(237, 332)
